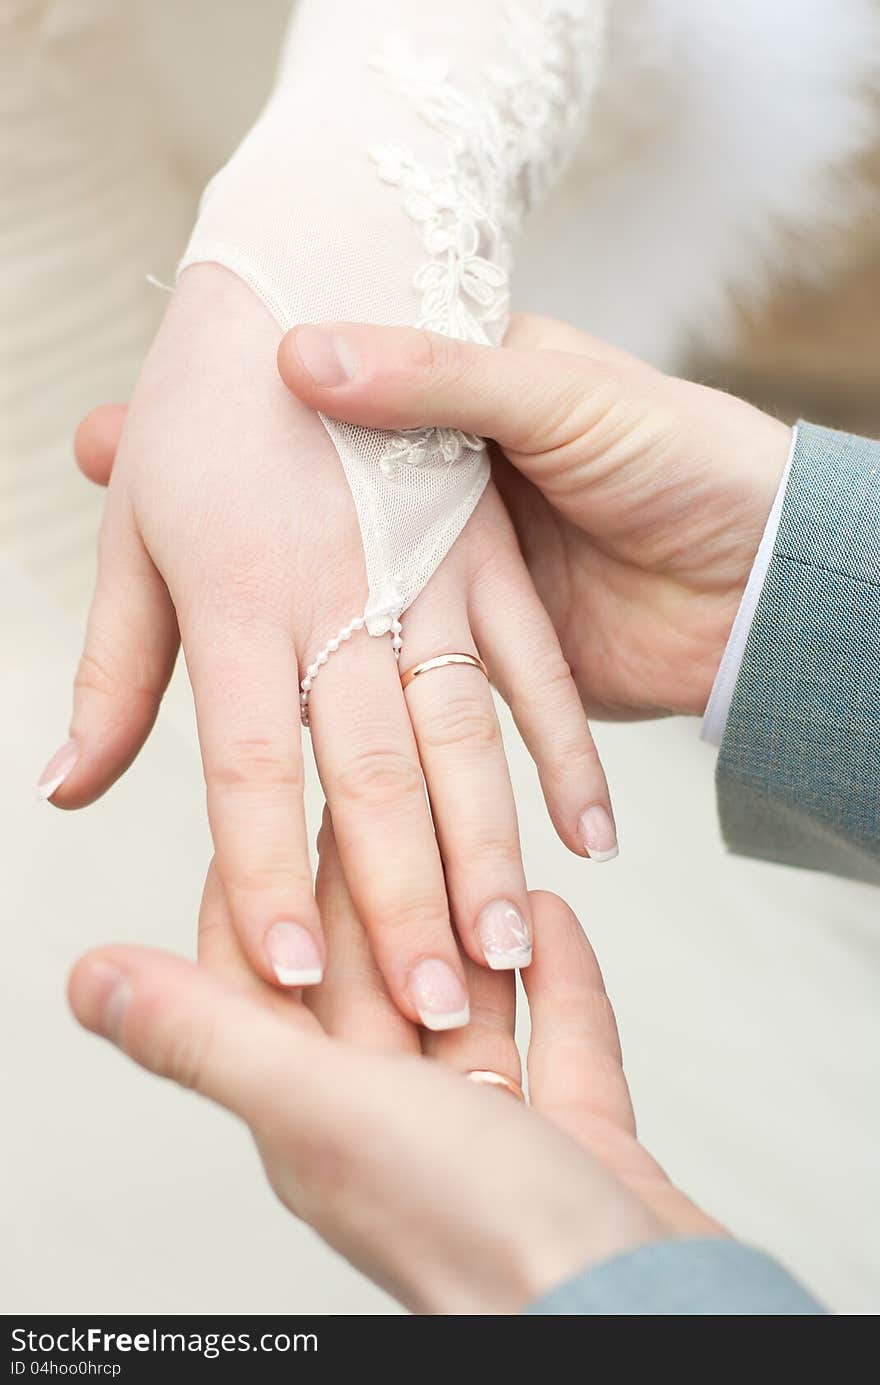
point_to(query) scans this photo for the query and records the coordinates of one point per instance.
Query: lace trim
(417, 446)
(505, 147)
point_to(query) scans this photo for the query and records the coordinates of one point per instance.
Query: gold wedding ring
(486, 1077)
(440, 662)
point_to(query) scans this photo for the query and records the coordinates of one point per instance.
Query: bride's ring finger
(462, 755)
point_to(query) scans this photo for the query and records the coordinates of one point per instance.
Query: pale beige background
(747, 994)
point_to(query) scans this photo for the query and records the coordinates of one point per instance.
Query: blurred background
(813, 351)
(747, 994)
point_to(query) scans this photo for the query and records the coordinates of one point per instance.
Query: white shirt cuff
(718, 706)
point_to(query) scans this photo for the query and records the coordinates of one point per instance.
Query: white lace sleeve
(385, 182)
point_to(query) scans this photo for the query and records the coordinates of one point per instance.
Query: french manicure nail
(504, 936)
(598, 834)
(438, 995)
(293, 954)
(326, 355)
(57, 770)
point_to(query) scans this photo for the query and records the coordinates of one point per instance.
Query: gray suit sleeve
(686, 1278)
(798, 773)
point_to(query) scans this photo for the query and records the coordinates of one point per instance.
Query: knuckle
(487, 847)
(552, 695)
(255, 764)
(575, 755)
(409, 907)
(380, 777)
(546, 678)
(564, 412)
(556, 683)
(435, 359)
(265, 863)
(591, 403)
(574, 399)
(462, 721)
(93, 676)
(572, 750)
(96, 674)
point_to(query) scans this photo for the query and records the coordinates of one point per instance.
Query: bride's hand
(454, 1197)
(228, 518)
(639, 500)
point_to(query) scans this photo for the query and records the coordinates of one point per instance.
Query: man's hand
(451, 1195)
(639, 500)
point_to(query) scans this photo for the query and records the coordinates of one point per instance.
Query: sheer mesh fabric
(385, 182)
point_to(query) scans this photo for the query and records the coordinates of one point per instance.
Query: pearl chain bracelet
(331, 647)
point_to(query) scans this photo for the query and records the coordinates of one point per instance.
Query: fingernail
(57, 770)
(293, 954)
(504, 936)
(438, 995)
(598, 834)
(110, 993)
(326, 355)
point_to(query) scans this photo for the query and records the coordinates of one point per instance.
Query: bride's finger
(488, 1043)
(369, 766)
(520, 646)
(352, 1002)
(127, 660)
(465, 768)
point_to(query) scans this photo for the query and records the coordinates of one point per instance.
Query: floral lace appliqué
(416, 446)
(505, 146)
